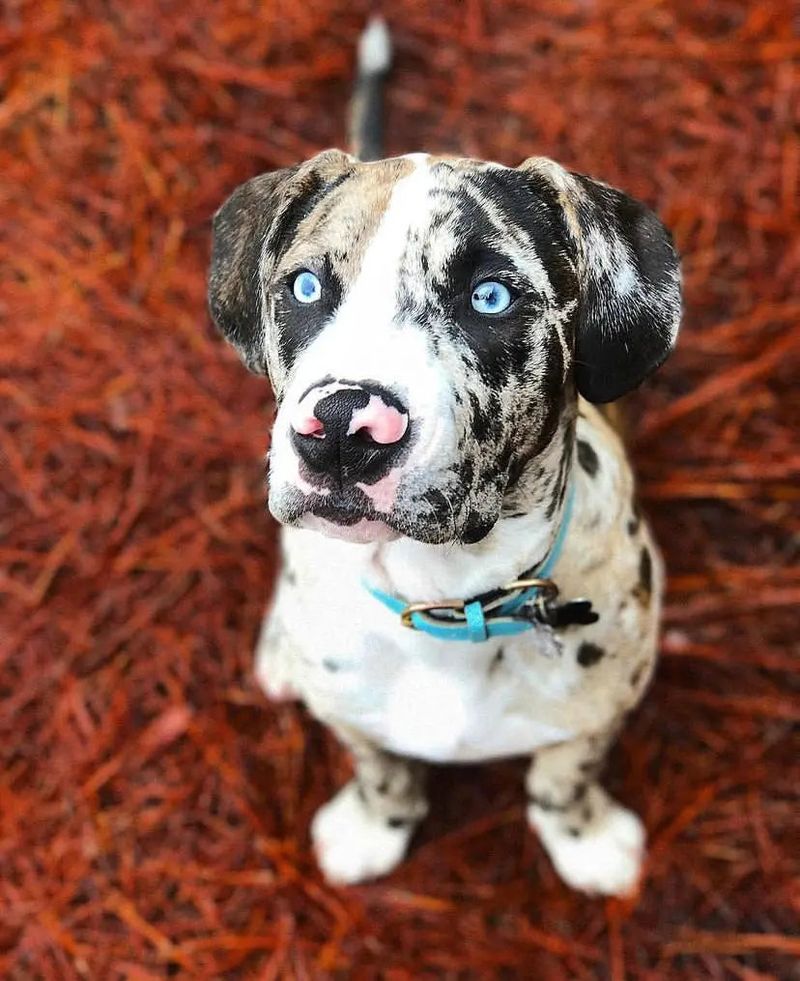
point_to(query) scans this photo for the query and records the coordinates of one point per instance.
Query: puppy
(466, 575)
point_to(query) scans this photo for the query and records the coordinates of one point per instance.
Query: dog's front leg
(275, 657)
(363, 832)
(595, 844)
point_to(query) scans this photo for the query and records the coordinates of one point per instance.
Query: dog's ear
(630, 284)
(250, 231)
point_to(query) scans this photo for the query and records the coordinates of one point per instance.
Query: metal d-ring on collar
(512, 609)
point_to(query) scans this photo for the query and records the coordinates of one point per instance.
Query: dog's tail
(366, 110)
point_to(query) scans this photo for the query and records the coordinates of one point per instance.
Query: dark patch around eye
(299, 323)
(500, 341)
(503, 344)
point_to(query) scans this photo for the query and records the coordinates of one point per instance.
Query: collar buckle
(406, 614)
(546, 587)
(487, 606)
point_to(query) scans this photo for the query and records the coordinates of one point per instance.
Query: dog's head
(426, 323)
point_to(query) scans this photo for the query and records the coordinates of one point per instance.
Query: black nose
(361, 435)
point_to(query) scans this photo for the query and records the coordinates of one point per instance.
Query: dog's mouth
(345, 515)
(360, 530)
(350, 515)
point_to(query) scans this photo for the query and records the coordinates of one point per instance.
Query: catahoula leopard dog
(466, 575)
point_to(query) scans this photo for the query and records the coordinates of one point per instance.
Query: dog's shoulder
(603, 473)
(610, 552)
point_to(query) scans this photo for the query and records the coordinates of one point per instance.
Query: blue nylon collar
(485, 616)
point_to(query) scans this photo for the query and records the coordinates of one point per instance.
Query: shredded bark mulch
(154, 808)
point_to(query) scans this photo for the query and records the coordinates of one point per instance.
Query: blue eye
(491, 297)
(306, 287)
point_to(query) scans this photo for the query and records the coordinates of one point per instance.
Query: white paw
(350, 844)
(605, 858)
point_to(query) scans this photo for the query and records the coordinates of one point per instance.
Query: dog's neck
(519, 542)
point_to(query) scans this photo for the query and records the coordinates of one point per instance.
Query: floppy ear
(630, 284)
(250, 231)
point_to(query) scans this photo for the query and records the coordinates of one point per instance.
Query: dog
(438, 333)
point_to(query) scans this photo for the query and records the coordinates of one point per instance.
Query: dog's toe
(603, 857)
(351, 844)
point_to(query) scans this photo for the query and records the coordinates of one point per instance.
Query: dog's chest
(470, 706)
(419, 696)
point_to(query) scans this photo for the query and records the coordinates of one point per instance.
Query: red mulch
(154, 808)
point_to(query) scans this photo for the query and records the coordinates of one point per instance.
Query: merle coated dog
(438, 332)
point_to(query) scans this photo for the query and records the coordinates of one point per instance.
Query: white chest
(419, 696)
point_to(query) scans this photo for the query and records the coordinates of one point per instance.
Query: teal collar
(503, 612)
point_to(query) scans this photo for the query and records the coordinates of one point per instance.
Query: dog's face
(426, 322)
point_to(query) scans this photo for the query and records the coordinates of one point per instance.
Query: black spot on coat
(589, 654)
(644, 587)
(588, 458)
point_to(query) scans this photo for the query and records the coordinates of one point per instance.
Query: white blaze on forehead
(365, 342)
(373, 294)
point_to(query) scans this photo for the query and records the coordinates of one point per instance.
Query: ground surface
(153, 808)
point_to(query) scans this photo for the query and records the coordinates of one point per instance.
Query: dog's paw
(351, 845)
(603, 857)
